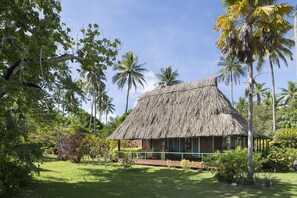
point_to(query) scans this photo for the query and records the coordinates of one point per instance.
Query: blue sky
(162, 33)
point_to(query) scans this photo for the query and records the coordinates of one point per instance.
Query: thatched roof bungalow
(191, 117)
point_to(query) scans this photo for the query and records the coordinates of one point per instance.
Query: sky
(177, 33)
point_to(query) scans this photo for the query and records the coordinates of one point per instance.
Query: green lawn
(65, 179)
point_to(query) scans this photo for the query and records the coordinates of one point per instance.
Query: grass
(65, 179)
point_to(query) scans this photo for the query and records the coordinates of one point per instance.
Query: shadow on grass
(50, 158)
(148, 182)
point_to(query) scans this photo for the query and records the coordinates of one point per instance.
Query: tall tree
(231, 72)
(107, 106)
(33, 40)
(167, 77)
(280, 52)
(94, 84)
(245, 31)
(289, 94)
(130, 73)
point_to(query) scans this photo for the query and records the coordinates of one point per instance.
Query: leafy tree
(290, 94)
(34, 43)
(167, 77)
(130, 73)
(231, 72)
(245, 34)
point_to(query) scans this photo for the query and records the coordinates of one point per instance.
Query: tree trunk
(232, 91)
(90, 124)
(94, 99)
(129, 86)
(295, 35)
(250, 124)
(273, 96)
(250, 175)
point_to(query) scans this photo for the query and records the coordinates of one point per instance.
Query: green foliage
(231, 166)
(185, 164)
(16, 153)
(287, 137)
(287, 116)
(280, 158)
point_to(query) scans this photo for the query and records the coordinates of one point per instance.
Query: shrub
(72, 148)
(231, 166)
(127, 160)
(281, 158)
(186, 164)
(286, 137)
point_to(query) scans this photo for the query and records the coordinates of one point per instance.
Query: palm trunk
(94, 99)
(129, 86)
(232, 91)
(273, 96)
(295, 35)
(250, 175)
(90, 124)
(250, 124)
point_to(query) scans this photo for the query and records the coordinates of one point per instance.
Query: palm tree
(231, 72)
(94, 84)
(281, 52)
(290, 94)
(244, 32)
(107, 107)
(259, 91)
(167, 77)
(130, 73)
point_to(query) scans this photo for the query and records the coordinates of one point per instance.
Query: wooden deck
(171, 163)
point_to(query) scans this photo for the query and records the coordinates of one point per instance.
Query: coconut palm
(280, 52)
(167, 77)
(289, 94)
(231, 72)
(107, 106)
(130, 73)
(245, 32)
(94, 84)
(259, 91)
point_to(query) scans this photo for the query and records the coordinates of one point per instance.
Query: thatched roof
(193, 109)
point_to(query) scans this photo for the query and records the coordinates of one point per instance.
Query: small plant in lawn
(186, 164)
(168, 163)
(127, 160)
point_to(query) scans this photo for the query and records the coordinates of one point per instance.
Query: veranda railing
(165, 155)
